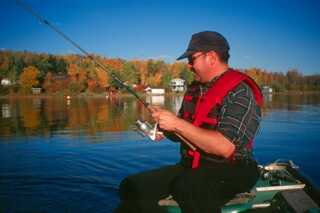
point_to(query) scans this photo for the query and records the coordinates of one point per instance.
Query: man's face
(197, 64)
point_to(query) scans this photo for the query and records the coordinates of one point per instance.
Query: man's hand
(209, 141)
(167, 120)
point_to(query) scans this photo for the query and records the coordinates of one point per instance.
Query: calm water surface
(60, 155)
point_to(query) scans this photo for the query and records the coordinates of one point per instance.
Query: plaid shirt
(238, 116)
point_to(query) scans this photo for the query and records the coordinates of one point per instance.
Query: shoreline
(125, 95)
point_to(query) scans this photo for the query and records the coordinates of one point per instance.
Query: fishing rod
(29, 9)
(144, 127)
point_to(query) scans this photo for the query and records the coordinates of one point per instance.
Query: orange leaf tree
(103, 79)
(28, 78)
(48, 83)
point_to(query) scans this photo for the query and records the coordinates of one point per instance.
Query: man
(218, 120)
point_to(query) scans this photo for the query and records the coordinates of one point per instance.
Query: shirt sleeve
(239, 115)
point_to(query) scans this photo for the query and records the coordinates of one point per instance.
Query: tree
(255, 74)
(92, 85)
(129, 73)
(141, 67)
(43, 65)
(166, 79)
(156, 69)
(186, 74)
(294, 79)
(113, 64)
(28, 78)
(48, 83)
(83, 73)
(176, 69)
(58, 64)
(103, 79)
(73, 72)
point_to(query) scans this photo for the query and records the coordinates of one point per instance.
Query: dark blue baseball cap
(204, 42)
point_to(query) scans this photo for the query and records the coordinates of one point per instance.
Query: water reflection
(45, 116)
(84, 142)
(6, 111)
(291, 102)
(267, 97)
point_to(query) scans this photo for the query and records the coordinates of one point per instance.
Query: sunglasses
(192, 59)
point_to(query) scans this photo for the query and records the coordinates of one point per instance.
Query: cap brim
(185, 55)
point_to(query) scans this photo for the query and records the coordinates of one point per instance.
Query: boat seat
(297, 201)
(241, 198)
(238, 199)
(280, 188)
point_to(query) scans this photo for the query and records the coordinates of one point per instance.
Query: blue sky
(276, 35)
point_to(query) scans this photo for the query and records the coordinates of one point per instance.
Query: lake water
(59, 155)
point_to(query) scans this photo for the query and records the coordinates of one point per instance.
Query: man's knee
(148, 185)
(127, 189)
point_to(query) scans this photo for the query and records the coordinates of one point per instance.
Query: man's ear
(212, 56)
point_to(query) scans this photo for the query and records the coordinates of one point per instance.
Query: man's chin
(197, 78)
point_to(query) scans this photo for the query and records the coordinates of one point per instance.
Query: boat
(280, 188)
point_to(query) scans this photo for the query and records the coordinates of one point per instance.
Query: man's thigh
(141, 192)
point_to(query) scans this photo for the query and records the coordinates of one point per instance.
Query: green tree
(186, 74)
(129, 73)
(166, 79)
(294, 80)
(48, 83)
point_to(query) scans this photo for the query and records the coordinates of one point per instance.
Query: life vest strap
(195, 158)
(216, 94)
(187, 98)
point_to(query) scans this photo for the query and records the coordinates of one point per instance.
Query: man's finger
(154, 108)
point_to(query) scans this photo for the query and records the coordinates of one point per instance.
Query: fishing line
(29, 9)
(150, 133)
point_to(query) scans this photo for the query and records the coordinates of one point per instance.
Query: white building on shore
(6, 82)
(177, 85)
(267, 90)
(154, 91)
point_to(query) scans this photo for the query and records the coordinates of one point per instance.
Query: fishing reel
(147, 130)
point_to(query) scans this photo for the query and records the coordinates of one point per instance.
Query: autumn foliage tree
(28, 79)
(129, 73)
(103, 78)
(156, 70)
(186, 74)
(76, 84)
(142, 68)
(48, 83)
(77, 73)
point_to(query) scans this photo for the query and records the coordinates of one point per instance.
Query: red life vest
(214, 97)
